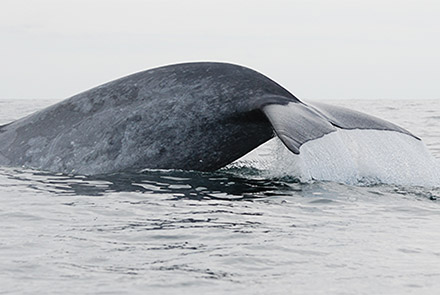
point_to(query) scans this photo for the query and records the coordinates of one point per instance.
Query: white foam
(350, 156)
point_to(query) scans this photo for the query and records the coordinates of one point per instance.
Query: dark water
(232, 231)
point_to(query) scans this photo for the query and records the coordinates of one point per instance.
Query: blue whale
(191, 116)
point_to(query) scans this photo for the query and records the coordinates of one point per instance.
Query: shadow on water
(238, 184)
(229, 185)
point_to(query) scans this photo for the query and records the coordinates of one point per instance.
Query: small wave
(351, 157)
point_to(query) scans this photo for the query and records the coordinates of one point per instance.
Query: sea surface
(234, 231)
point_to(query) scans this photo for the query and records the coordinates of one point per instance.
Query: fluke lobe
(192, 116)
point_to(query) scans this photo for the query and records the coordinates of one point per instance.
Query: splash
(352, 157)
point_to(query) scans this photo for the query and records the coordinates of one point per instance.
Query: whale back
(190, 116)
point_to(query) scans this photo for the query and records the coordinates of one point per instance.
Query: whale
(191, 116)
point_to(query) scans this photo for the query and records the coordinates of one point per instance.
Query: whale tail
(298, 123)
(326, 143)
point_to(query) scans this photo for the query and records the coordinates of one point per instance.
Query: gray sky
(318, 49)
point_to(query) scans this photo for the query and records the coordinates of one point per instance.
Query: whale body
(191, 116)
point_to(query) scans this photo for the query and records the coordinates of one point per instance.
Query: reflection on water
(180, 184)
(232, 184)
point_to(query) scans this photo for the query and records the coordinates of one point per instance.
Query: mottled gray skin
(195, 116)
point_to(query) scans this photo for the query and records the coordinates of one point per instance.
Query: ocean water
(235, 231)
